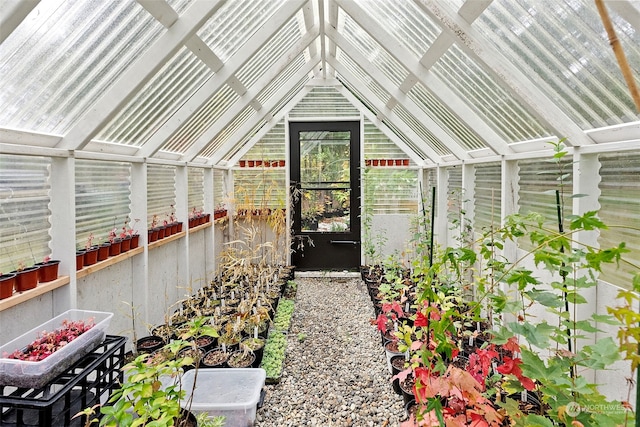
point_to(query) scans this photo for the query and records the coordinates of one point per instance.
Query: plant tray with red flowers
(35, 358)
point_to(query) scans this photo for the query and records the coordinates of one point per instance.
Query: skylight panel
(64, 56)
(564, 44)
(363, 77)
(371, 50)
(270, 53)
(271, 89)
(405, 21)
(201, 120)
(235, 23)
(447, 120)
(495, 104)
(158, 100)
(419, 129)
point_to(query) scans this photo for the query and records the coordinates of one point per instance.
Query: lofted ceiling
(201, 80)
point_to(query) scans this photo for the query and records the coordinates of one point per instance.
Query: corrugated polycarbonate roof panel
(491, 101)
(426, 135)
(372, 50)
(235, 23)
(324, 102)
(202, 120)
(449, 122)
(405, 21)
(407, 141)
(277, 83)
(565, 44)
(160, 98)
(229, 131)
(65, 55)
(270, 53)
(363, 76)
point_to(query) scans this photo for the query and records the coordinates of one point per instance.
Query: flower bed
(35, 358)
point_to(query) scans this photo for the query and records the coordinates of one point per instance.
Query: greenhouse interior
(464, 251)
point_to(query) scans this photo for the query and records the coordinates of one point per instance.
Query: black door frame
(326, 250)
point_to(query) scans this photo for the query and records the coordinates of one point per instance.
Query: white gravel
(335, 371)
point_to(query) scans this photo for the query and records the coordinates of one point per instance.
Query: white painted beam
(12, 13)
(142, 70)
(391, 116)
(225, 74)
(309, 22)
(241, 133)
(161, 11)
(445, 95)
(471, 9)
(508, 75)
(275, 119)
(399, 97)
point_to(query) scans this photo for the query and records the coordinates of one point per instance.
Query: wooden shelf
(108, 262)
(42, 288)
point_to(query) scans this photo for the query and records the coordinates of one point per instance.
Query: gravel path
(335, 372)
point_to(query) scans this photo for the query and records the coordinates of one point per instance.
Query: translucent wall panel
(324, 102)
(487, 197)
(196, 188)
(390, 190)
(64, 56)
(259, 188)
(220, 197)
(619, 208)
(102, 200)
(270, 147)
(564, 44)
(24, 211)
(161, 192)
(378, 146)
(539, 180)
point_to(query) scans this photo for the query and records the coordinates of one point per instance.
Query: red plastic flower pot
(26, 279)
(7, 283)
(48, 271)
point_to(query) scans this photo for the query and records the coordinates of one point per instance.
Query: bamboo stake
(619, 52)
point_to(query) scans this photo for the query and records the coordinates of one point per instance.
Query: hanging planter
(26, 279)
(7, 283)
(48, 270)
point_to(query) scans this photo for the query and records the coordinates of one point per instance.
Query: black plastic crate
(89, 382)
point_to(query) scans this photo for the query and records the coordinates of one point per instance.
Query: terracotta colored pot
(91, 256)
(281, 163)
(103, 251)
(126, 244)
(116, 247)
(7, 283)
(48, 271)
(162, 232)
(26, 279)
(174, 228)
(405, 162)
(80, 259)
(135, 241)
(243, 163)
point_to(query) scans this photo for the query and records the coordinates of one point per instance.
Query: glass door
(325, 186)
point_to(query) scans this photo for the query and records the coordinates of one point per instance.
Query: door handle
(344, 242)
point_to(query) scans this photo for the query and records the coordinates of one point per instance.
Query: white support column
(509, 202)
(586, 180)
(140, 276)
(468, 194)
(209, 206)
(63, 235)
(182, 204)
(441, 227)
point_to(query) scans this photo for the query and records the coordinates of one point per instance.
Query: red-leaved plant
(48, 343)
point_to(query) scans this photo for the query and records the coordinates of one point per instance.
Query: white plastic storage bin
(21, 373)
(230, 392)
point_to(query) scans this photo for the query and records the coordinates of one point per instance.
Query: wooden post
(619, 52)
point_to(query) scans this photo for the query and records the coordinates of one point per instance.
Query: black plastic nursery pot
(149, 344)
